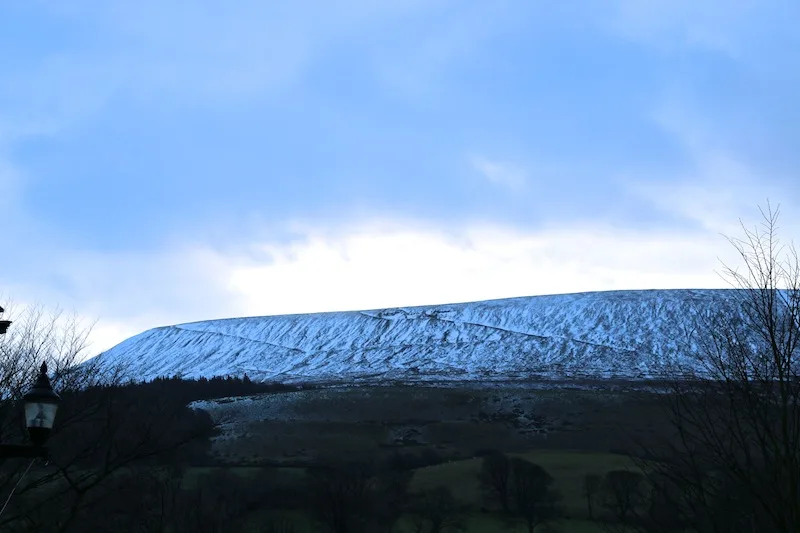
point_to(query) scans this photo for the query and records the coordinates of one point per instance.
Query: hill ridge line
(257, 341)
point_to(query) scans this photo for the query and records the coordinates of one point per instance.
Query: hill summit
(619, 334)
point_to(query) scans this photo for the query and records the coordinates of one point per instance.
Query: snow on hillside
(626, 334)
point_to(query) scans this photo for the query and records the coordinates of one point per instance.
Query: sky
(172, 161)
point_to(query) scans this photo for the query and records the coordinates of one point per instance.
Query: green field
(568, 468)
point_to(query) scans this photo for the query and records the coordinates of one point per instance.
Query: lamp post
(41, 404)
(4, 323)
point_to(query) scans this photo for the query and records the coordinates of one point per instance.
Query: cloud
(452, 36)
(718, 185)
(715, 25)
(501, 174)
(9, 184)
(369, 269)
(176, 54)
(716, 193)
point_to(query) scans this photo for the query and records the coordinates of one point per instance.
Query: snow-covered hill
(627, 334)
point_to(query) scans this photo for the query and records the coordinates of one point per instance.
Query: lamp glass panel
(40, 415)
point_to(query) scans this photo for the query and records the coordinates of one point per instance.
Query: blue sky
(162, 162)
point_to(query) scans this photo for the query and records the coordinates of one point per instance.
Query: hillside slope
(627, 334)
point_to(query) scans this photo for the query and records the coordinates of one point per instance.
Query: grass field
(568, 468)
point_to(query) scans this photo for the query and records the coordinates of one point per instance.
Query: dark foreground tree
(733, 462)
(277, 524)
(623, 494)
(591, 489)
(494, 479)
(339, 496)
(436, 511)
(356, 497)
(534, 501)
